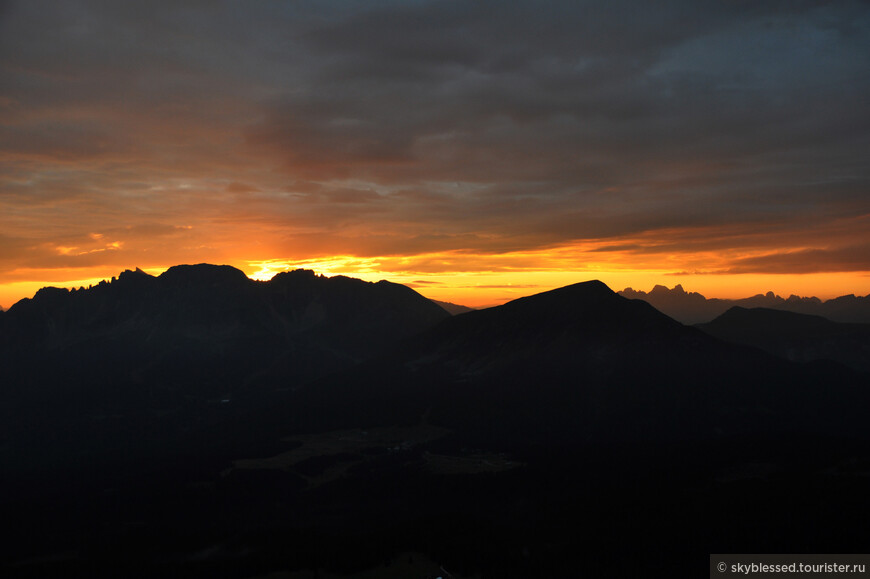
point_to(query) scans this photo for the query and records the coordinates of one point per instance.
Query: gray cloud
(402, 127)
(851, 258)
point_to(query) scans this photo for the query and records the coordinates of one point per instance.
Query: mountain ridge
(199, 332)
(693, 308)
(621, 353)
(229, 427)
(794, 336)
(454, 309)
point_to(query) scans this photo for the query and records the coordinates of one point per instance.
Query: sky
(476, 151)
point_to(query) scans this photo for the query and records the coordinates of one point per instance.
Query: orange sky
(722, 146)
(458, 279)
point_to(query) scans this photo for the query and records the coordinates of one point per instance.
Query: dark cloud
(851, 258)
(394, 128)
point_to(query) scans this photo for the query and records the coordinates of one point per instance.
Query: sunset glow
(720, 147)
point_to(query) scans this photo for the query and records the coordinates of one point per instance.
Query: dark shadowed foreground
(201, 424)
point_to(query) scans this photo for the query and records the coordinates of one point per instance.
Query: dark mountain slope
(687, 307)
(848, 308)
(694, 308)
(565, 434)
(630, 429)
(138, 322)
(581, 363)
(142, 360)
(454, 309)
(797, 337)
(350, 314)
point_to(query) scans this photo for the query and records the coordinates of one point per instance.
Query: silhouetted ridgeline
(797, 337)
(146, 358)
(595, 368)
(694, 308)
(215, 321)
(454, 309)
(202, 424)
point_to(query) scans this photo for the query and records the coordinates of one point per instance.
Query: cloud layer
(720, 137)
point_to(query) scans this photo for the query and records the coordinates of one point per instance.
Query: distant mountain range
(796, 337)
(198, 423)
(694, 308)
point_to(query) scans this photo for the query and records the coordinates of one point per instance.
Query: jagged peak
(298, 272)
(848, 297)
(295, 276)
(133, 274)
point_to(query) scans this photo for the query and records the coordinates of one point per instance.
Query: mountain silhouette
(617, 414)
(694, 308)
(199, 424)
(298, 323)
(797, 337)
(454, 309)
(583, 363)
(141, 360)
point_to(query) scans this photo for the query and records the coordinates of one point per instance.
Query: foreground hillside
(570, 433)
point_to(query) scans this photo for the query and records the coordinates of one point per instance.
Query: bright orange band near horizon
(485, 280)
